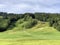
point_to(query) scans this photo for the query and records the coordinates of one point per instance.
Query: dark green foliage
(26, 17)
(4, 24)
(41, 16)
(51, 22)
(30, 23)
(8, 20)
(58, 27)
(30, 15)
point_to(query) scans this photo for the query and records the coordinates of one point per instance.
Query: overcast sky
(23, 6)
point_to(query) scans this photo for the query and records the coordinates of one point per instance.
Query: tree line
(8, 20)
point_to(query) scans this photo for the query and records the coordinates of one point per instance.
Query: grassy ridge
(40, 34)
(39, 31)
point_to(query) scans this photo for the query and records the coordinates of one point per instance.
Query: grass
(30, 42)
(30, 35)
(40, 34)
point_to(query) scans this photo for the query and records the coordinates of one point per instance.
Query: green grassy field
(41, 34)
(30, 42)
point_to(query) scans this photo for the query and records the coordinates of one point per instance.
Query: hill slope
(40, 31)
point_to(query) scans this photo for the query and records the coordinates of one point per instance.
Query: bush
(4, 24)
(21, 21)
(58, 27)
(26, 17)
(31, 23)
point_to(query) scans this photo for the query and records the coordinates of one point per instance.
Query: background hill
(30, 26)
(29, 29)
(10, 21)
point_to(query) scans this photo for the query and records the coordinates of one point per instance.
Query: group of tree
(8, 20)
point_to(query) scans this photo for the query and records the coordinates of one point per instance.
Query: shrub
(26, 17)
(31, 23)
(58, 27)
(4, 24)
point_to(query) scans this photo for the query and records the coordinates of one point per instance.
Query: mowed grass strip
(29, 42)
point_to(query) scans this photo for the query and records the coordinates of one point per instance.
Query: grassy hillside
(40, 31)
(29, 29)
(40, 34)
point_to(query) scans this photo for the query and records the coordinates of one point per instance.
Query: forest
(8, 20)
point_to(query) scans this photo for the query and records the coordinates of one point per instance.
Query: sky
(31, 6)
